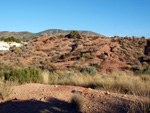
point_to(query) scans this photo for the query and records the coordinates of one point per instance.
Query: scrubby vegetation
(77, 102)
(89, 71)
(128, 54)
(88, 77)
(23, 75)
(137, 107)
(5, 89)
(116, 82)
(119, 64)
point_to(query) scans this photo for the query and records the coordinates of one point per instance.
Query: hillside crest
(29, 35)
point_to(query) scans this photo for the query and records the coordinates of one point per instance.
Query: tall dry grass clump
(45, 76)
(5, 89)
(77, 102)
(77, 80)
(137, 107)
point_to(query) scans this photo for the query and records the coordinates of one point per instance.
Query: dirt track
(40, 98)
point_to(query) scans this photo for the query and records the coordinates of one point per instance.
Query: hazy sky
(107, 17)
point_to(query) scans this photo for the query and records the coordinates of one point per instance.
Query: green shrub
(74, 34)
(22, 75)
(89, 70)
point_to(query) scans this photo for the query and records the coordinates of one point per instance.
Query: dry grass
(45, 76)
(124, 83)
(5, 89)
(137, 107)
(77, 80)
(116, 82)
(77, 102)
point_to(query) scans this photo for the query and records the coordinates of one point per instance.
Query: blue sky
(107, 17)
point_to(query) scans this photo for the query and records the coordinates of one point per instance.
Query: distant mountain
(59, 31)
(18, 35)
(29, 35)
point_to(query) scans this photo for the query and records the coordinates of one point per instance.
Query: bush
(142, 71)
(49, 66)
(74, 34)
(77, 102)
(89, 70)
(61, 36)
(87, 56)
(22, 75)
(34, 38)
(17, 50)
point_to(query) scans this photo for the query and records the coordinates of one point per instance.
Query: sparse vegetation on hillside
(90, 51)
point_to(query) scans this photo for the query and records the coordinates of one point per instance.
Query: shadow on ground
(33, 106)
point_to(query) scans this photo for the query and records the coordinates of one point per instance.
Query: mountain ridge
(25, 35)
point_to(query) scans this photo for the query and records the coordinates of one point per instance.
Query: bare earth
(40, 98)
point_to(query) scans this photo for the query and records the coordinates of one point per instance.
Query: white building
(7, 45)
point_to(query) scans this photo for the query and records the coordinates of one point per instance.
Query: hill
(105, 54)
(29, 35)
(62, 60)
